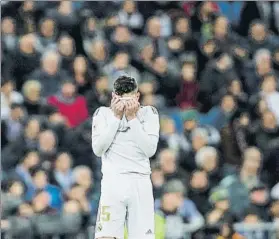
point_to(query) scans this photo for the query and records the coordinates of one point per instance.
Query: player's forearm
(147, 143)
(101, 142)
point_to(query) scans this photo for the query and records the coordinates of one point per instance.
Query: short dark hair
(125, 84)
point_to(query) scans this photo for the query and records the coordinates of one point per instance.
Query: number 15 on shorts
(103, 214)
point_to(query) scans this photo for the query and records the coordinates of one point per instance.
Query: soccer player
(125, 135)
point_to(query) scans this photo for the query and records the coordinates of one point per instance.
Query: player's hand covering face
(117, 106)
(131, 108)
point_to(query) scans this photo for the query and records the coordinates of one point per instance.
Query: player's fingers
(128, 104)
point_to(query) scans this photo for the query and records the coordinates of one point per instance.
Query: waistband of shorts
(126, 175)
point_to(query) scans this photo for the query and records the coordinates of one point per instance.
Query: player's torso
(124, 154)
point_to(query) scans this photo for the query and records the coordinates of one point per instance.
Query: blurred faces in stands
(263, 62)
(154, 27)
(65, 7)
(199, 180)
(8, 26)
(182, 26)
(16, 189)
(68, 89)
(47, 141)
(167, 126)
(32, 129)
(50, 63)
(209, 47)
(167, 160)
(129, 6)
(27, 43)
(40, 179)
(122, 34)
(207, 159)
(102, 84)
(269, 120)
(32, 90)
(63, 163)
(16, 113)
(252, 161)
(83, 176)
(221, 27)
(228, 103)
(121, 60)
(269, 83)
(66, 46)
(41, 202)
(30, 160)
(224, 62)
(188, 71)
(160, 65)
(47, 28)
(199, 138)
(80, 64)
(258, 32)
(259, 195)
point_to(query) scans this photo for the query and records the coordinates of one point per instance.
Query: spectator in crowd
(248, 177)
(187, 98)
(169, 137)
(65, 16)
(120, 65)
(30, 160)
(262, 66)
(8, 97)
(72, 106)
(169, 166)
(90, 32)
(50, 75)
(98, 54)
(47, 34)
(41, 188)
(220, 199)
(67, 50)
(9, 37)
(82, 74)
(62, 174)
(154, 34)
(121, 40)
(27, 57)
(259, 200)
(199, 187)
(33, 101)
(183, 210)
(99, 95)
(130, 17)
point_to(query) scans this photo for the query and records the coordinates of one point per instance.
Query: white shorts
(126, 199)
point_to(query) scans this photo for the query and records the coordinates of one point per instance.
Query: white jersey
(125, 146)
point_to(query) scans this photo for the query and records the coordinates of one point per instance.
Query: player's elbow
(151, 151)
(97, 150)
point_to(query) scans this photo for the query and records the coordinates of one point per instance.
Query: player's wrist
(131, 117)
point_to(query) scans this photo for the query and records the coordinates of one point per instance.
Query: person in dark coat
(49, 74)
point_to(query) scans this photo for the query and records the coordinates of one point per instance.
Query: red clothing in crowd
(187, 97)
(75, 111)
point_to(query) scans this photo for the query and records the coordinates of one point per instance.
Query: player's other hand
(117, 106)
(131, 109)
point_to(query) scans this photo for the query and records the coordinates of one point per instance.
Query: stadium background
(210, 68)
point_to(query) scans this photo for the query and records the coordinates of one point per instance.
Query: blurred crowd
(210, 68)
